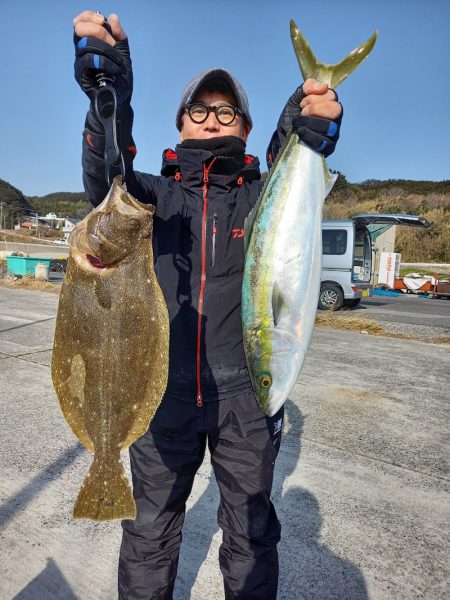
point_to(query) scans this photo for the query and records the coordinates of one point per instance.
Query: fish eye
(265, 381)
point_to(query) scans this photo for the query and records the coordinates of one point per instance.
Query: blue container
(25, 265)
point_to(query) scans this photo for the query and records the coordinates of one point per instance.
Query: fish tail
(333, 75)
(105, 493)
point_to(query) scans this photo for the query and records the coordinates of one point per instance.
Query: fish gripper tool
(105, 106)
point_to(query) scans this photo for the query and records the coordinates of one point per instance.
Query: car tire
(331, 297)
(352, 303)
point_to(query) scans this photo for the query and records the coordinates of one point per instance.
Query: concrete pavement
(362, 482)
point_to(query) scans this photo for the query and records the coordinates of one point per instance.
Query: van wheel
(331, 297)
(352, 303)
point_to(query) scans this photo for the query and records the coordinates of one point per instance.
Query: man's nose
(212, 122)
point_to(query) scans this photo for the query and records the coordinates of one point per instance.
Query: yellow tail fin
(333, 75)
(105, 493)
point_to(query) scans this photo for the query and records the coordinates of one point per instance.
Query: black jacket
(201, 203)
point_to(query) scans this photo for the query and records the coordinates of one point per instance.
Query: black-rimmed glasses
(225, 113)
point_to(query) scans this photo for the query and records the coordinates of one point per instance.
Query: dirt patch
(30, 283)
(346, 321)
(440, 340)
(341, 400)
(352, 394)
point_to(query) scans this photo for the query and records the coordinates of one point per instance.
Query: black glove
(290, 111)
(93, 56)
(319, 134)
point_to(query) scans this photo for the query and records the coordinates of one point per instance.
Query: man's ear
(245, 131)
(181, 136)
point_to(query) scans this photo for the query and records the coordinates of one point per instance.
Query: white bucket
(41, 272)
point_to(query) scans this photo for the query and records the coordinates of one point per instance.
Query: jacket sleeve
(274, 146)
(141, 185)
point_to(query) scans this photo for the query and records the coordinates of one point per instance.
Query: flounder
(110, 357)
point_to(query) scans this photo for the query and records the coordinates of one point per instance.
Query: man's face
(211, 127)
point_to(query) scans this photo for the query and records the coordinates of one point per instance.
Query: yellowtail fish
(284, 249)
(110, 357)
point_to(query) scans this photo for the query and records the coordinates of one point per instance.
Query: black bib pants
(243, 444)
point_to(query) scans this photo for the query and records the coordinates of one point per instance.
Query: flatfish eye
(265, 381)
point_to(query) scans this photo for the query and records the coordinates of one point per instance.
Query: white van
(347, 256)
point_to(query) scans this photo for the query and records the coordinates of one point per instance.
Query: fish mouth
(90, 256)
(95, 262)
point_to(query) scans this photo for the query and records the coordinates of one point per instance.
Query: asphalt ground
(414, 309)
(362, 482)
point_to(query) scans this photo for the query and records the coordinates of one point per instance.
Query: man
(206, 188)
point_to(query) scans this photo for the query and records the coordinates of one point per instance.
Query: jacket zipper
(214, 231)
(206, 171)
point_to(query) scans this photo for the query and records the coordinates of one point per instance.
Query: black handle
(105, 105)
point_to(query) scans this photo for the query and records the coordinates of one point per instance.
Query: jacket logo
(237, 233)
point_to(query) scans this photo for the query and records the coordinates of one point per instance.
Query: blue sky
(397, 107)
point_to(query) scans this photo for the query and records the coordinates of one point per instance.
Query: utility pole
(2, 204)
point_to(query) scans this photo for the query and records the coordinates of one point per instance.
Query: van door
(376, 224)
(379, 223)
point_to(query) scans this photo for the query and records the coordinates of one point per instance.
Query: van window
(334, 241)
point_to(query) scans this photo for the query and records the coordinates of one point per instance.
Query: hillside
(431, 199)
(14, 204)
(66, 204)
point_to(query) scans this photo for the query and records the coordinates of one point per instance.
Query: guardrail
(441, 267)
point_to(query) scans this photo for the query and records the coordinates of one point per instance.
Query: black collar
(231, 164)
(226, 145)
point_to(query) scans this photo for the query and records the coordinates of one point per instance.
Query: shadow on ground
(49, 584)
(317, 573)
(20, 500)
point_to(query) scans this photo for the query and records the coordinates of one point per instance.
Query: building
(68, 226)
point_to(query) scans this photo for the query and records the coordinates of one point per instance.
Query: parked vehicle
(347, 256)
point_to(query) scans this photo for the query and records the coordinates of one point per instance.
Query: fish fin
(333, 75)
(279, 304)
(330, 178)
(105, 493)
(248, 226)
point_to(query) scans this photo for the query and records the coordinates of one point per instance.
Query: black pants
(243, 444)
